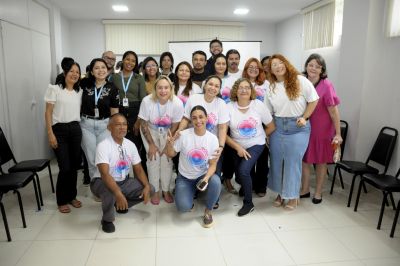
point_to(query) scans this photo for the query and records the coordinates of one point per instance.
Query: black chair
(387, 184)
(344, 128)
(381, 153)
(34, 166)
(13, 182)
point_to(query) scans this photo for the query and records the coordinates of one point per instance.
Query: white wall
(86, 41)
(264, 32)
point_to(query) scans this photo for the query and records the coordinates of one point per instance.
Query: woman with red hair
(291, 99)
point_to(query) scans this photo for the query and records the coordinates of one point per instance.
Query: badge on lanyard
(161, 131)
(125, 102)
(96, 112)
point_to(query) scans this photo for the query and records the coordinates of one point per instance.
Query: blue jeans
(185, 189)
(93, 132)
(288, 143)
(243, 170)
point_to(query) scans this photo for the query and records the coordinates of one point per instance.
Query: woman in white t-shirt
(291, 98)
(184, 87)
(196, 164)
(63, 105)
(221, 70)
(218, 116)
(159, 112)
(247, 135)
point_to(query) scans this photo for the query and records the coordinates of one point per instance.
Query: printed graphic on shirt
(226, 94)
(183, 98)
(211, 122)
(198, 158)
(260, 93)
(164, 121)
(122, 166)
(247, 128)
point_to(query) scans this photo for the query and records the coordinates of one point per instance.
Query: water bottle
(336, 151)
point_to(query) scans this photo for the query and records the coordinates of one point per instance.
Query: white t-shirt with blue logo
(246, 128)
(195, 152)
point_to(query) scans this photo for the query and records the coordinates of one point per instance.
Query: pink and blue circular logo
(164, 121)
(247, 128)
(122, 166)
(183, 98)
(226, 94)
(211, 121)
(198, 157)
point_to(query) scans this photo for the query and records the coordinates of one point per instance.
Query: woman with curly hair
(291, 98)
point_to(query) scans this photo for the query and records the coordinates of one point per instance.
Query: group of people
(201, 119)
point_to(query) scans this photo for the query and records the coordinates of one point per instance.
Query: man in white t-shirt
(233, 59)
(111, 182)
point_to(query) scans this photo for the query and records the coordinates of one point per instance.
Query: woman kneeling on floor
(196, 164)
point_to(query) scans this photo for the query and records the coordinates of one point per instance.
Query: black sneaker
(246, 209)
(108, 227)
(208, 220)
(121, 211)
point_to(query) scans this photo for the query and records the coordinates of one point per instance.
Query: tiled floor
(325, 234)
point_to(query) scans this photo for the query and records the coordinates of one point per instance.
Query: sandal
(75, 203)
(229, 187)
(167, 197)
(291, 207)
(155, 200)
(278, 201)
(64, 209)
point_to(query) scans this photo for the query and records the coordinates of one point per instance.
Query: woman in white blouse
(159, 112)
(247, 135)
(63, 105)
(291, 99)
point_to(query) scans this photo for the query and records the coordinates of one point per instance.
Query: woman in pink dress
(325, 127)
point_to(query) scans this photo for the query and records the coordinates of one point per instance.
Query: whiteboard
(182, 51)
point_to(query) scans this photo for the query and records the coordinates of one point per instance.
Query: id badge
(161, 131)
(125, 102)
(123, 173)
(96, 112)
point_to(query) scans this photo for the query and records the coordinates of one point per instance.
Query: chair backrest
(5, 151)
(383, 148)
(344, 127)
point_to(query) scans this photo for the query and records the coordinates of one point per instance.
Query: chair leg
(396, 216)
(3, 213)
(341, 178)
(51, 179)
(36, 194)
(382, 210)
(21, 208)
(365, 188)
(351, 190)
(333, 179)
(358, 194)
(39, 189)
(392, 200)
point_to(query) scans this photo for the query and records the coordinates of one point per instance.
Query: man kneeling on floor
(111, 182)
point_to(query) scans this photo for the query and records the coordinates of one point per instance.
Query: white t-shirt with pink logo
(216, 111)
(261, 90)
(195, 152)
(195, 90)
(227, 84)
(161, 115)
(246, 128)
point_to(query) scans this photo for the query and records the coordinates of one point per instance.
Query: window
(322, 24)
(393, 28)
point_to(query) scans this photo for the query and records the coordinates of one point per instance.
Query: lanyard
(125, 87)
(97, 95)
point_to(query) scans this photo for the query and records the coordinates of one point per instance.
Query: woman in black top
(100, 100)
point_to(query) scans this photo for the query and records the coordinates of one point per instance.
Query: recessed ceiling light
(241, 11)
(120, 8)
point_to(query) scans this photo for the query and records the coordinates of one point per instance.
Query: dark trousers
(259, 173)
(243, 169)
(131, 113)
(228, 168)
(68, 153)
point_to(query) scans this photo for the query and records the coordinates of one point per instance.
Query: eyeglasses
(109, 58)
(151, 66)
(253, 68)
(244, 88)
(314, 66)
(121, 152)
(277, 64)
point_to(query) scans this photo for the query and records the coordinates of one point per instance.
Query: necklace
(242, 107)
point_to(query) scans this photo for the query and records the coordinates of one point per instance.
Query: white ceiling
(213, 10)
